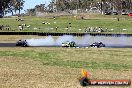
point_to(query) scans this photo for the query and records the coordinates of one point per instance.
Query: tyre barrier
(61, 34)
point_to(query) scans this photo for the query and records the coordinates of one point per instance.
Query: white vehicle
(69, 44)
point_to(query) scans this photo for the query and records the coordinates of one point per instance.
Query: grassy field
(61, 67)
(35, 23)
(43, 67)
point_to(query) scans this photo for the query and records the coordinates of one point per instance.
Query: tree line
(87, 4)
(10, 6)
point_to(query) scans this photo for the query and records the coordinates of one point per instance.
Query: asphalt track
(107, 46)
(7, 45)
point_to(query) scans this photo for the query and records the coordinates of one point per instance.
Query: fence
(61, 34)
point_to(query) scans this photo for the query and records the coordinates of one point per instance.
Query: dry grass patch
(61, 67)
(28, 73)
(19, 72)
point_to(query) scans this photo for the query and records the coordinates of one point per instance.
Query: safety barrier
(60, 34)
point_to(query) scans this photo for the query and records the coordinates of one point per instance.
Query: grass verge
(60, 67)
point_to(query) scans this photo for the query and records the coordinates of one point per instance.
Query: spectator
(56, 28)
(54, 18)
(20, 27)
(1, 27)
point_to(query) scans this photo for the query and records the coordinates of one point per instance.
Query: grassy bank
(60, 67)
(63, 22)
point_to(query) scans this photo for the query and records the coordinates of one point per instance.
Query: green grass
(61, 67)
(116, 59)
(63, 22)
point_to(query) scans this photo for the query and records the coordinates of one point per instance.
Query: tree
(102, 5)
(18, 5)
(40, 8)
(9, 6)
(51, 6)
(3, 6)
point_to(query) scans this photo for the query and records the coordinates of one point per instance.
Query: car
(1, 16)
(107, 13)
(115, 13)
(22, 43)
(97, 44)
(69, 44)
(124, 12)
(130, 14)
(94, 10)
